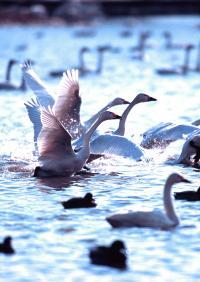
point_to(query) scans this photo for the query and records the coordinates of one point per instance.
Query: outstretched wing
(115, 145)
(33, 109)
(53, 139)
(42, 92)
(68, 102)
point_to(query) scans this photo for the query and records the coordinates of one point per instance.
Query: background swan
(164, 133)
(115, 143)
(155, 218)
(56, 155)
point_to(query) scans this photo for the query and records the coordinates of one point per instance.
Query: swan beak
(186, 180)
(152, 99)
(126, 102)
(116, 116)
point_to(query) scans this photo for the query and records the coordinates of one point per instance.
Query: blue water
(52, 244)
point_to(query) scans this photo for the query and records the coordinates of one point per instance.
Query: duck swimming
(155, 218)
(6, 246)
(188, 195)
(113, 256)
(80, 202)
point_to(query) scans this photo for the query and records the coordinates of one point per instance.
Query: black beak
(117, 117)
(187, 181)
(152, 99)
(126, 102)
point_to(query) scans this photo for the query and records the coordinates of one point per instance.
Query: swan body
(188, 195)
(80, 202)
(6, 246)
(190, 148)
(113, 255)
(164, 133)
(56, 155)
(115, 143)
(155, 218)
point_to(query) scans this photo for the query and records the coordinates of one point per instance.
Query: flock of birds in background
(64, 144)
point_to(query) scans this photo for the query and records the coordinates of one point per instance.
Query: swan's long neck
(186, 60)
(99, 62)
(121, 128)
(198, 60)
(90, 121)
(23, 84)
(168, 204)
(85, 151)
(8, 71)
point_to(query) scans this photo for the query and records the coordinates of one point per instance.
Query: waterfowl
(190, 148)
(164, 133)
(67, 99)
(188, 195)
(7, 85)
(181, 70)
(56, 155)
(80, 202)
(6, 246)
(169, 41)
(81, 65)
(113, 256)
(115, 143)
(140, 47)
(155, 218)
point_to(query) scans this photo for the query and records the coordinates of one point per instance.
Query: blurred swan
(56, 155)
(190, 148)
(81, 65)
(164, 133)
(7, 84)
(169, 44)
(181, 70)
(155, 218)
(115, 143)
(68, 102)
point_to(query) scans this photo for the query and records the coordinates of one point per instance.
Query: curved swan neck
(99, 62)
(186, 60)
(90, 121)
(81, 59)
(23, 84)
(8, 70)
(198, 60)
(168, 204)
(121, 128)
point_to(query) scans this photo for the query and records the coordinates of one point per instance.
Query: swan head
(142, 97)
(109, 115)
(195, 142)
(7, 240)
(119, 101)
(13, 61)
(118, 245)
(104, 48)
(177, 178)
(84, 49)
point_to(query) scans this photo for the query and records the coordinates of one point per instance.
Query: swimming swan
(164, 133)
(115, 143)
(56, 155)
(155, 218)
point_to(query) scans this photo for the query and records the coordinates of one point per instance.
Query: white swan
(190, 148)
(68, 102)
(164, 133)
(155, 218)
(115, 143)
(56, 155)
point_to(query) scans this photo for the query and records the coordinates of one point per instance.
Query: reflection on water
(52, 244)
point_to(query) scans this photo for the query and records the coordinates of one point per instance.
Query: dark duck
(6, 246)
(80, 202)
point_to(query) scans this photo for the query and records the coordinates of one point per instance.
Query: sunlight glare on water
(52, 244)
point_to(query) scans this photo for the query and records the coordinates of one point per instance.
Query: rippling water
(51, 243)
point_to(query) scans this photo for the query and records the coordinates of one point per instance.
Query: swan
(7, 85)
(169, 42)
(140, 47)
(6, 246)
(181, 70)
(114, 255)
(67, 90)
(164, 133)
(155, 218)
(188, 195)
(115, 143)
(81, 66)
(190, 148)
(56, 155)
(80, 202)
